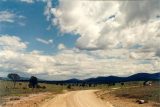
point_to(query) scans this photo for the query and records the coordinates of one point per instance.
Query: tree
(14, 78)
(83, 84)
(69, 86)
(90, 84)
(33, 82)
(122, 84)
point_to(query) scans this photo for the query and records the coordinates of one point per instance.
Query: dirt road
(85, 98)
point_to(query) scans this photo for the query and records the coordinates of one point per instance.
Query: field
(7, 92)
(6, 88)
(21, 89)
(148, 93)
(122, 94)
(127, 95)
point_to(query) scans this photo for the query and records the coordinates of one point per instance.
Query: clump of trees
(14, 77)
(111, 84)
(33, 82)
(122, 84)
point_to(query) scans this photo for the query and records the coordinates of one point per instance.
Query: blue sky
(35, 26)
(63, 39)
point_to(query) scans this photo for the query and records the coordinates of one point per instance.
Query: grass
(21, 89)
(6, 88)
(149, 93)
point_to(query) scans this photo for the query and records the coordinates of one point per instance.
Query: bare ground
(85, 98)
(31, 100)
(122, 101)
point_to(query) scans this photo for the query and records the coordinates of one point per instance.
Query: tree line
(33, 81)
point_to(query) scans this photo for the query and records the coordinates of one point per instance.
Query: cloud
(12, 43)
(70, 63)
(85, 18)
(27, 1)
(158, 52)
(50, 41)
(139, 11)
(134, 23)
(10, 17)
(31, 1)
(115, 38)
(47, 11)
(61, 46)
(6, 16)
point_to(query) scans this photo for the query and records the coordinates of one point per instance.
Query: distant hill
(114, 79)
(143, 77)
(4, 78)
(135, 77)
(109, 79)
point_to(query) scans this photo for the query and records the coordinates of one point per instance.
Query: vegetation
(69, 86)
(14, 78)
(32, 86)
(148, 93)
(6, 88)
(33, 82)
(136, 90)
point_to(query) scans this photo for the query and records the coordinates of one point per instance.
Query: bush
(69, 86)
(33, 82)
(24, 88)
(38, 86)
(44, 87)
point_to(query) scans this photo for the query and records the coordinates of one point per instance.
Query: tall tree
(14, 78)
(33, 82)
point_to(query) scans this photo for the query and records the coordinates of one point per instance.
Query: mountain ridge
(103, 79)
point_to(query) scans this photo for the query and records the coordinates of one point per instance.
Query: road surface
(85, 98)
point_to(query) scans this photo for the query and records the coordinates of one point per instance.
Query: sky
(64, 39)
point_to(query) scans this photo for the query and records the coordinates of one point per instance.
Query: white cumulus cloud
(8, 42)
(71, 63)
(108, 24)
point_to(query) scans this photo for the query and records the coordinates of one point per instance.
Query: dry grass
(149, 93)
(22, 90)
(127, 95)
(6, 88)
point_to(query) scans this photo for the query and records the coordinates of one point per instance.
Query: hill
(108, 79)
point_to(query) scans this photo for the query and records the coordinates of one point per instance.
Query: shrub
(69, 86)
(44, 87)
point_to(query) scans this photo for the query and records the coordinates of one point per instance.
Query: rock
(141, 101)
